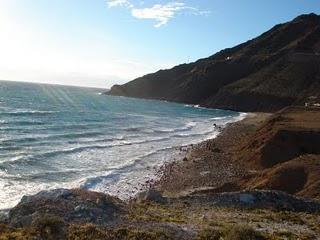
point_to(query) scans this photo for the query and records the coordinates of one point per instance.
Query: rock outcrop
(72, 206)
(279, 68)
(261, 199)
(299, 176)
(282, 153)
(288, 134)
(152, 196)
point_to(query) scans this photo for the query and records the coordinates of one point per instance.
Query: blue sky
(103, 42)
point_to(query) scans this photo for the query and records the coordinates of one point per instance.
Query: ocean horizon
(55, 136)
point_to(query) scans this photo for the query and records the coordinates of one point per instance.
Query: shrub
(3, 228)
(87, 231)
(50, 227)
(242, 232)
(138, 234)
(209, 234)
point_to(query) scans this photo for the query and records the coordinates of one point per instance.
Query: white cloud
(119, 3)
(161, 13)
(29, 52)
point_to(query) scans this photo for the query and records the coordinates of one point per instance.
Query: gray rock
(26, 220)
(74, 205)
(247, 198)
(151, 195)
(78, 208)
(262, 199)
(4, 215)
(52, 195)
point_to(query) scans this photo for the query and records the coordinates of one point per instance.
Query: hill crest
(279, 68)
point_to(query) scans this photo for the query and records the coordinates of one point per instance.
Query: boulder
(257, 199)
(72, 206)
(152, 196)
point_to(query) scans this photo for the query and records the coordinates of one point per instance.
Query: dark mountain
(279, 68)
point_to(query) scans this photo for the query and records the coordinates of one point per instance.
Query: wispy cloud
(161, 13)
(119, 3)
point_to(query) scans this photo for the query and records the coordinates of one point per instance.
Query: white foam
(107, 163)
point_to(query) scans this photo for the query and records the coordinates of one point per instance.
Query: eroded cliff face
(284, 153)
(279, 68)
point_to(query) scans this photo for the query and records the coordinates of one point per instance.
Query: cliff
(277, 69)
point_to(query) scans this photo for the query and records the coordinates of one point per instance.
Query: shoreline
(208, 164)
(179, 153)
(183, 151)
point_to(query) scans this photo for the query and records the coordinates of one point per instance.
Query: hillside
(284, 152)
(277, 151)
(279, 68)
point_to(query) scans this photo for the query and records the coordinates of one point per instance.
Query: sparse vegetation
(147, 221)
(138, 234)
(87, 231)
(209, 234)
(242, 232)
(157, 213)
(50, 227)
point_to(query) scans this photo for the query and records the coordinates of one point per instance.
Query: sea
(54, 136)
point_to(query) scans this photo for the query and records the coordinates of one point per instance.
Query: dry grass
(155, 221)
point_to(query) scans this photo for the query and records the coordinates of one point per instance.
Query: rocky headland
(277, 69)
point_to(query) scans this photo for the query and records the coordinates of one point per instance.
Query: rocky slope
(279, 151)
(285, 153)
(79, 214)
(287, 134)
(279, 68)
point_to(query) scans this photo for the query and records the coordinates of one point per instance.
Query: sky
(99, 43)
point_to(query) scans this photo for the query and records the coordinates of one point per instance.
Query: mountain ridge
(280, 67)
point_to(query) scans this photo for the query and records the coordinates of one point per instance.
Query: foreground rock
(259, 199)
(152, 196)
(81, 214)
(75, 205)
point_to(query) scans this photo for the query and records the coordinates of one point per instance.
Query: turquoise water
(59, 136)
